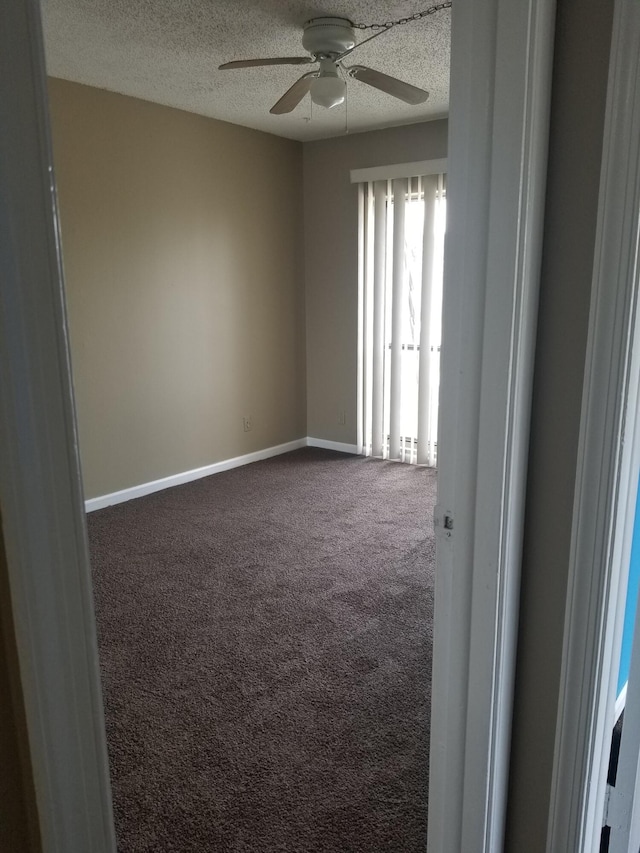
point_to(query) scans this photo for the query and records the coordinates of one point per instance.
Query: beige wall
(579, 80)
(331, 261)
(182, 245)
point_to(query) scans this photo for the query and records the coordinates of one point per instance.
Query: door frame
(502, 53)
(607, 471)
(501, 73)
(41, 500)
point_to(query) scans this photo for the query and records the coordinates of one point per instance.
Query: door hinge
(607, 803)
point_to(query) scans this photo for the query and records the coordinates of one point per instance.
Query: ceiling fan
(329, 41)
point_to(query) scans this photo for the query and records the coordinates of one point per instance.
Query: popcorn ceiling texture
(168, 52)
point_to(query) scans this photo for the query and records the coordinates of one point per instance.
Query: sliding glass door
(402, 236)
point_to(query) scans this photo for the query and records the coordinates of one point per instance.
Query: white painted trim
(40, 491)
(362, 275)
(399, 170)
(607, 471)
(340, 446)
(498, 133)
(620, 702)
(215, 468)
(188, 476)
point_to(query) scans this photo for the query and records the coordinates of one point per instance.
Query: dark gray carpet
(265, 641)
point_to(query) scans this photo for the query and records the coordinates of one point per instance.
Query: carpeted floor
(265, 642)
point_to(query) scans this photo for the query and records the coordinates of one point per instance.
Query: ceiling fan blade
(278, 60)
(292, 97)
(391, 85)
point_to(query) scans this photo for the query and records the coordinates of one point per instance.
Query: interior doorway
(490, 204)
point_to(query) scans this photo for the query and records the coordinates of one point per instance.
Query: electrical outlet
(342, 418)
(247, 423)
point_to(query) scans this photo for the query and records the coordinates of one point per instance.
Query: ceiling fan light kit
(328, 88)
(329, 41)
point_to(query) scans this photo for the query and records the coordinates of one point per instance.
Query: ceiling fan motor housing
(328, 36)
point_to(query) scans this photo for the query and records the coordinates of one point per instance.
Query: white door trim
(502, 53)
(497, 164)
(40, 491)
(607, 471)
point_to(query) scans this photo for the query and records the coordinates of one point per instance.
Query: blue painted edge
(631, 604)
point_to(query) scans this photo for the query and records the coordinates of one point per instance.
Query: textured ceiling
(168, 51)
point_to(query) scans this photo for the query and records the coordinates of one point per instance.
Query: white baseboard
(332, 445)
(621, 701)
(225, 465)
(189, 476)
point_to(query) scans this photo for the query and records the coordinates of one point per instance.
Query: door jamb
(40, 488)
(502, 53)
(608, 467)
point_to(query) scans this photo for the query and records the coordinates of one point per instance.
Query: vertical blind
(402, 225)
